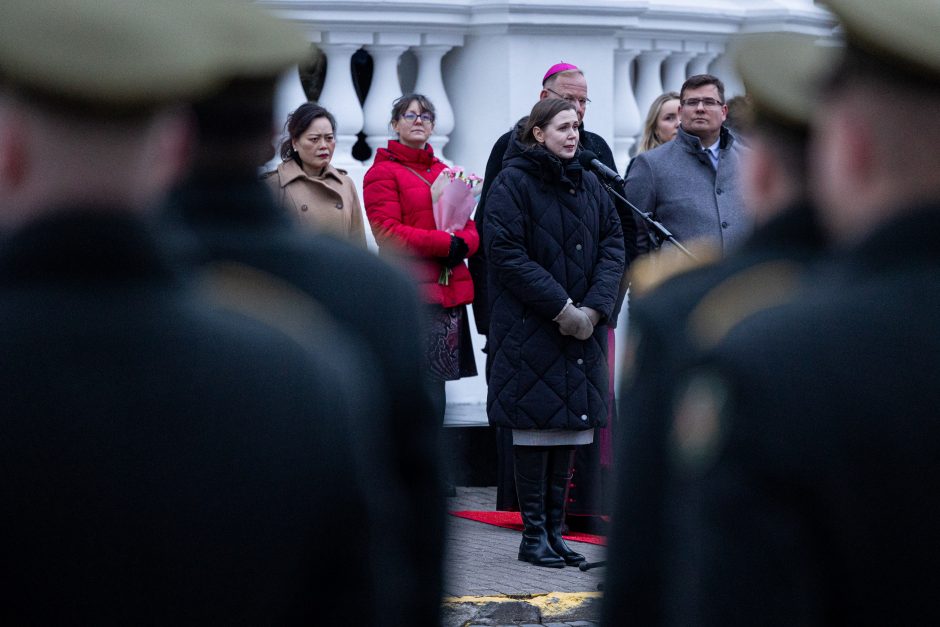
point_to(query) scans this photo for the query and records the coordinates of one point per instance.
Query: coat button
(429, 169)
(718, 191)
(584, 417)
(577, 247)
(724, 225)
(303, 207)
(580, 361)
(572, 192)
(339, 205)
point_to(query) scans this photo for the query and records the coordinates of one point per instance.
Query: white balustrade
(383, 91)
(648, 80)
(628, 122)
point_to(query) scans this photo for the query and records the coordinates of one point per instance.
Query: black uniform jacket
(163, 461)
(377, 305)
(816, 500)
(669, 329)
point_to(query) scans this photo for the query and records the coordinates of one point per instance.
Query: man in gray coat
(690, 184)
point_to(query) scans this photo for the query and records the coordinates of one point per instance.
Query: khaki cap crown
(783, 72)
(904, 33)
(124, 53)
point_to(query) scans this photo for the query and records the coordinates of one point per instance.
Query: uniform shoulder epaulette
(268, 174)
(741, 295)
(650, 271)
(267, 298)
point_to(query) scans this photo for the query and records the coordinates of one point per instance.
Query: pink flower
(454, 194)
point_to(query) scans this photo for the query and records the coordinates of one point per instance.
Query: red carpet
(512, 520)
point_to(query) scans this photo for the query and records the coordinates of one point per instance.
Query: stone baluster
(339, 95)
(648, 81)
(383, 91)
(674, 70)
(430, 82)
(701, 62)
(628, 121)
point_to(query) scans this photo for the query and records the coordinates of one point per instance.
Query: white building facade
(481, 63)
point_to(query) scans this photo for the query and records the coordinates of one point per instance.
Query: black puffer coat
(551, 234)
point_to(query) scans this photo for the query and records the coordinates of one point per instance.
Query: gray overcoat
(678, 185)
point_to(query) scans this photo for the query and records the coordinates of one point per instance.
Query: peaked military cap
(783, 72)
(127, 53)
(901, 33)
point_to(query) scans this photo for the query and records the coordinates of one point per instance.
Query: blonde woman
(662, 121)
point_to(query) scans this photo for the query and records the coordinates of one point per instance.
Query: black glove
(458, 251)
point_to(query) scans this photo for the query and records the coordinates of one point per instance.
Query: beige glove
(572, 321)
(592, 315)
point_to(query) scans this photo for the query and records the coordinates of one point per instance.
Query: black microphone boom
(608, 177)
(589, 161)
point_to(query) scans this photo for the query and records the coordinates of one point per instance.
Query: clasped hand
(577, 322)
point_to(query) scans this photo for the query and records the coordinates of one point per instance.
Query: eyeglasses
(581, 101)
(412, 117)
(708, 103)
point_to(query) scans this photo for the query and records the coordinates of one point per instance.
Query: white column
(383, 91)
(431, 84)
(339, 98)
(627, 119)
(674, 70)
(700, 63)
(648, 82)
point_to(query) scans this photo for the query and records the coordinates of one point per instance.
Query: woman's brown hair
(541, 115)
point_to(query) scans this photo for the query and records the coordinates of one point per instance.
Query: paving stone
(480, 561)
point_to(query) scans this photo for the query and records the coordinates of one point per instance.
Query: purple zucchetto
(555, 69)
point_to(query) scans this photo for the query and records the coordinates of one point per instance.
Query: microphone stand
(586, 566)
(657, 227)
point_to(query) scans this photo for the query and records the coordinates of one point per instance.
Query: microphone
(589, 161)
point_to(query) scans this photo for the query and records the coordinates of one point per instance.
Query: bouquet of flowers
(454, 195)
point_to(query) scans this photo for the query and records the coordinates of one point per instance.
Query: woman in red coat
(397, 196)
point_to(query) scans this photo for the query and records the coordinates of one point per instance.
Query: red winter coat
(399, 209)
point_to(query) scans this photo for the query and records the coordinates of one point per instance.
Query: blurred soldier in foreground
(806, 446)
(673, 325)
(239, 224)
(164, 461)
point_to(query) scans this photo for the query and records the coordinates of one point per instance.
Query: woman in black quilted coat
(556, 253)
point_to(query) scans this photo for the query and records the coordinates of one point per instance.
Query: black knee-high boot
(560, 462)
(531, 470)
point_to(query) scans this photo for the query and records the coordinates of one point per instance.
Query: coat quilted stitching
(551, 233)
